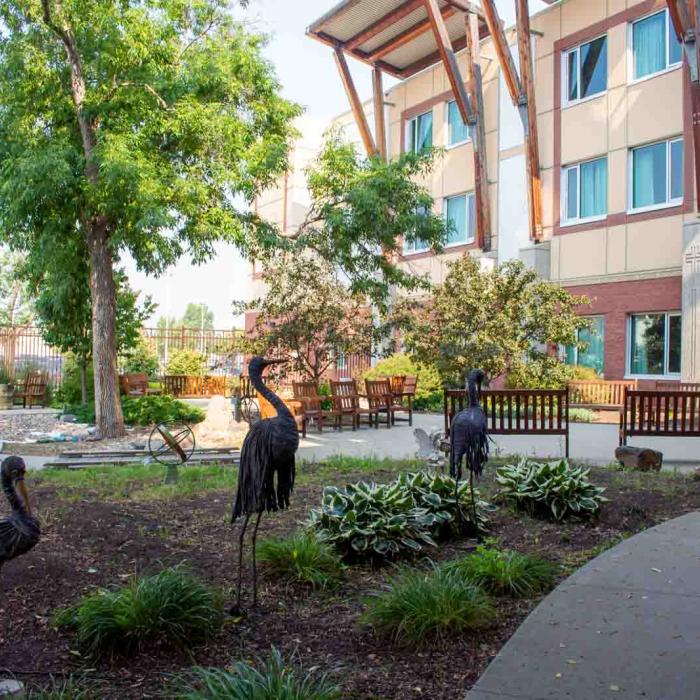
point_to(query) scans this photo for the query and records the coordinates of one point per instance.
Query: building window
(586, 70)
(457, 130)
(593, 355)
(585, 191)
(655, 47)
(657, 175)
(420, 133)
(416, 244)
(655, 344)
(460, 213)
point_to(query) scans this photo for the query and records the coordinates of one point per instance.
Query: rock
(642, 459)
(11, 689)
(696, 474)
(67, 418)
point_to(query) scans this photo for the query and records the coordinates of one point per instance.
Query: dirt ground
(91, 540)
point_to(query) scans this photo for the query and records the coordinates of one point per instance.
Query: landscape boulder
(641, 459)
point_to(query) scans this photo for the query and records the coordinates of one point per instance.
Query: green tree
(185, 361)
(309, 315)
(503, 321)
(198, 316)
(60, 282)
(139, 124)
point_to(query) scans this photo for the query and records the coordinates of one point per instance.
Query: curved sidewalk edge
(626, 625)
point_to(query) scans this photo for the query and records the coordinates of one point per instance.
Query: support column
(690, 305)
(379, 120)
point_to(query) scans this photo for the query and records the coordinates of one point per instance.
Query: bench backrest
(345, 395)
(516, 411)
(134, 383)
(660, 413)
(677, 386)
(410, 386)
(193, 385)
(35, 383)
(599, 392)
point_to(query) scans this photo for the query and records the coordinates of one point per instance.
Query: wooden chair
(403, 388)
(346, 402)
(380, 399)
(134, 383)
(33, 390)
(307, 393)
(267, 410)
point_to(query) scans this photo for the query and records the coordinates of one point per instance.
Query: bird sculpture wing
(17, 537)
(469, 438)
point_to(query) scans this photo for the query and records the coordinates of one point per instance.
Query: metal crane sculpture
(469, 438)
(20, 531)
(268, 454)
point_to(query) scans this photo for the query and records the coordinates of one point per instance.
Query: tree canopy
(504, 321)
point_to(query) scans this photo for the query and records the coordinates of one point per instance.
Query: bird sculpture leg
(255, 566)
(240, 562)
(471, 490)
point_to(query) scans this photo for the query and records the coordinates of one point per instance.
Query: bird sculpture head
(476, 376)
(13, 470)
(258, 364)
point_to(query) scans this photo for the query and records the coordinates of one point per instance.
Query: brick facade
(616, 301)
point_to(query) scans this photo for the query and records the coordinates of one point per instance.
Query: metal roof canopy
(393, 35)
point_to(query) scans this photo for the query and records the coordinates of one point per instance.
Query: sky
(307, 72)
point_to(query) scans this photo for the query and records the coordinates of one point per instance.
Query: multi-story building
(615, 132)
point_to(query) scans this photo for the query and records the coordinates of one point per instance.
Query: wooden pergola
(685, 15)
(403, 37)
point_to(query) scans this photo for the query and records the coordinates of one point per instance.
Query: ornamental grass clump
(505, 573)
(171, 607)
(275, 680)
(426, 606)
(302, 558)
(555, 490)
(378, 521)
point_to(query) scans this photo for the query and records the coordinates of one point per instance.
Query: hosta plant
(549, 489)
(384, 520)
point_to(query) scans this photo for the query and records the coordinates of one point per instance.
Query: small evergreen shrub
(549, 489)
(189, 362)
(146, 410)
(275, 680)
(69, 393)
(171, 606)
(142, 358)
(302, 558)
(505, 573)
(422, 607)
(367, 520)
(429, 389)
(582, 415)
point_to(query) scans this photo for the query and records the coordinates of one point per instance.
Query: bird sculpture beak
(24, 494)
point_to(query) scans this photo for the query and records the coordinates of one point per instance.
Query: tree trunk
(83, 383)
(110, 421)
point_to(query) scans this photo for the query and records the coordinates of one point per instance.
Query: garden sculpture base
(11, 689)
(642, 459)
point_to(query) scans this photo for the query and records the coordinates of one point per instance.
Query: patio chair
(346, 402)
(33, 389)
(405, 390)
(267, 410)
(307, 393)
(135, 384)
(380, 399)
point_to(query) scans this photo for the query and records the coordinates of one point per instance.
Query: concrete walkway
(626, 625)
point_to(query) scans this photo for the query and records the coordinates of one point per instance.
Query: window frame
(408, 251)
(667, 323)
(471, 235)
(631, 80)
(592, 317)
(565, 101)
(564, 219)
(670, 202)
(411, 128)
(456, 144)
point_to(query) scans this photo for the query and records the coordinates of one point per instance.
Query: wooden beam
(449, 60)
(355, 103)
(500, 43)
(478, 133)
(695, 107)
(382, 24)
(467, 6)
(680, 16)
(534, 180)
(407, 35)
(379, 122)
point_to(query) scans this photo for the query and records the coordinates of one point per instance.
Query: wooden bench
(677, 386)
(599, 394)
(135, 384)
(516, 411)
(33, 389)
(660, 414)
(193, 386)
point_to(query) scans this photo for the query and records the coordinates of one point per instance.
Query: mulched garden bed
(89, 541)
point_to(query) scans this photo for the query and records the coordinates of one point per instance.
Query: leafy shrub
(66, 689)
(429, 388)
(84, 413)
(5, 374)
(184, 361)
(275, 681)
(582, 415)
(581, 373)
(555, 489)
(171, 606)
(302, 558)
(146, 410)
(426, 606)
(385, 520)
(69, 393)
(505, 573)
(142, 358)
